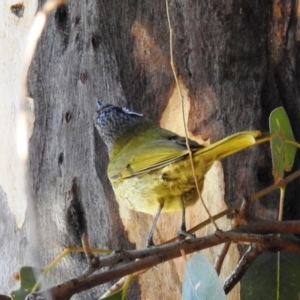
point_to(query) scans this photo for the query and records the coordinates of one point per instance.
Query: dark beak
(99, 104)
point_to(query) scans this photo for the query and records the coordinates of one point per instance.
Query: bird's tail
(232, 144)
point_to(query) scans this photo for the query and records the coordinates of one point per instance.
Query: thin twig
(206, 222)
(160, 254)
(281, 202)
(93, 260)
(221, 256)
(246, 260)
(183, 118)
(242, 215)
(276, 186)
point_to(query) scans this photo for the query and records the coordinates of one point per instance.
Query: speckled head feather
(112, 121)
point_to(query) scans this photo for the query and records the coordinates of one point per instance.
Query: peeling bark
(237, 60)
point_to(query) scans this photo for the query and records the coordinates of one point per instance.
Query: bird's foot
(150, 243)
(183, 232)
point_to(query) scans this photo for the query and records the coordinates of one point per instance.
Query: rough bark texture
(237, 60)
(16, 237)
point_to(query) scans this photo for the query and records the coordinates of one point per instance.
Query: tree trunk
(17, 239)
(235, 60)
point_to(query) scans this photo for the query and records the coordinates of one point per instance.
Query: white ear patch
(129, 112)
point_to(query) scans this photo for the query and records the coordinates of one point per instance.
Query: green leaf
(272, 276)
(28, 277)
(116, 296)
(201, 280)
(283, 154)
(122, 292)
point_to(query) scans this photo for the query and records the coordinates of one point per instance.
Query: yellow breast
(170, 186)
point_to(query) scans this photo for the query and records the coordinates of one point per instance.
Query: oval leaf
(283, 154)
(201, 280)
(28, 278)
(272, 276)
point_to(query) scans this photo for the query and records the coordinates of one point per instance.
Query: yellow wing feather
(230, 145)
(143, 159)
(163, 151)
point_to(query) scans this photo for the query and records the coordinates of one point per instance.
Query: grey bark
(232, 57)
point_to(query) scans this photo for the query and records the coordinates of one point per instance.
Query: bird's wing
(148, 157)
(231, 144)
(163, 151)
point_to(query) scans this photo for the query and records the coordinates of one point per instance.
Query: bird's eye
(129, 112)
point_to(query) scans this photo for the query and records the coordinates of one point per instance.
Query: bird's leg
(151, 233)
(182, 229)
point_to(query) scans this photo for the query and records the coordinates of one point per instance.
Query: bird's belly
(171, 186)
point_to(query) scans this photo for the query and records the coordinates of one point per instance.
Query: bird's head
(113, 121)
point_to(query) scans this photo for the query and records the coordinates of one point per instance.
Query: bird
(150, 168)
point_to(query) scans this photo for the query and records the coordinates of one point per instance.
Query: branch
(154, 256)
(220, 258)
(244, 263)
